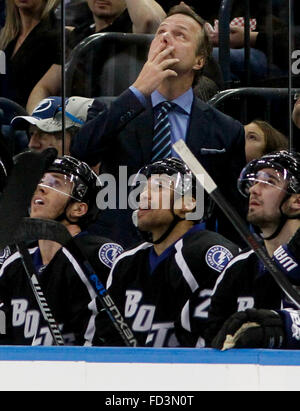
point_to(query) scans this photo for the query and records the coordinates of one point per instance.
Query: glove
(251, 329)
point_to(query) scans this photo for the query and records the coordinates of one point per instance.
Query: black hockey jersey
(245, 283)
(151, 291)
(69, 294)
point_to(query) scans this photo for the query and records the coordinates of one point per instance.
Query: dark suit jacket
(122, 136)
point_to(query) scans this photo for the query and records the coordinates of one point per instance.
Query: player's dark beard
(262, 222)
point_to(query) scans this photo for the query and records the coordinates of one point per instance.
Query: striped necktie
(162, 146)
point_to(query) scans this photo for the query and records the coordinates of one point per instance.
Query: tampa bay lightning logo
(109, 252)
(47, 107)
(217, 257)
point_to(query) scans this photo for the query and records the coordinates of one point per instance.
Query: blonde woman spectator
(262, 138)
(30, 40)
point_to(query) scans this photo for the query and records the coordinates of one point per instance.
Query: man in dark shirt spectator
(137, 16)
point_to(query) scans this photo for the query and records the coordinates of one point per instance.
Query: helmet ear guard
(86, 186)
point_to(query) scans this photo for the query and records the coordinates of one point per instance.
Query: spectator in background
(44, 126)
(270, 36)
(124, 16)
(30, 40)
(262, 138)
(268, 42)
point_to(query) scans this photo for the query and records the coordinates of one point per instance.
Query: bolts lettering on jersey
(31, 323)
(132, 300)
(144, 318)
(30, 319)
(19, 312)
(244, 303)
(295, 324)
(44, 337)
(158, 334)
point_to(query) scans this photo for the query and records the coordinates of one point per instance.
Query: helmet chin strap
(63, 216)
(148, 236)
(283, 219)
(166, 234)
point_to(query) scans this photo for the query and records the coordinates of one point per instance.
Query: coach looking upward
(124, 134)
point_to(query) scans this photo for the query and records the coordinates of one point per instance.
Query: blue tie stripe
(159, 123)
(162, 140)
(162, 133)
(168, 154)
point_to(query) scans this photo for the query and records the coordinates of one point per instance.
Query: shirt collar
(184, 101)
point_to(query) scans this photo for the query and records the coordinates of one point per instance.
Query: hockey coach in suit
(125, 134)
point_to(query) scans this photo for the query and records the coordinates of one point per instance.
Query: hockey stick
(211, 188)
(38, 293)
(27, 172)
(36, 229)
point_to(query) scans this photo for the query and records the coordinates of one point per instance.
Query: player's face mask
(169, 187)
(59, 183)
(270, 177)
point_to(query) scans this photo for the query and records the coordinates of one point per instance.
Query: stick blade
(27, 172)
(34, 229)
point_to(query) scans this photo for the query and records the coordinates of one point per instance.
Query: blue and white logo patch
(109, 252)
(217, 257)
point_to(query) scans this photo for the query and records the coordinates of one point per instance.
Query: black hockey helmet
(287, 163)
(287, 166)
(85, 184)
(182, 181)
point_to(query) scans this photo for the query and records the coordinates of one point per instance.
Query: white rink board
(113, 369)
